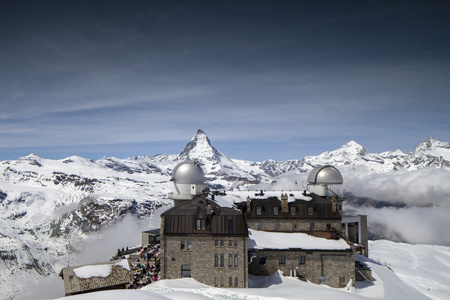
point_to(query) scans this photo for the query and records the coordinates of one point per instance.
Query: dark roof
(198, 206)
(322, 209)
(182, 219)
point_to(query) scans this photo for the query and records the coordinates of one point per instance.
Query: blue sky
(263, 79)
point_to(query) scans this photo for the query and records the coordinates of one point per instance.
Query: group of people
(146, 268)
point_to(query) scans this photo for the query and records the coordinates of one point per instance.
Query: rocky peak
(353, 148)
(430, 144)
(199, 147)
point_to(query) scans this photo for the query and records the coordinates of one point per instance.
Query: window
(236, 282)
(185, 271)
(235, 243)
(282, 259)
(310, 211)
(258, 210)
(293, 210)
(328, 227)
(230, 260)
(230, 281)
(221, 243)
(229, 225)
(201, 224)
(262, 260)
(216, 281)
(311, 226)
(189, 244)
(301, 260)
(275, 211)
(222, 281)
(216, 260)
(222, 260)
(294, 226)
(182, 245)
(235, 260)
(259, 226)
(216, 243)
(341, 280)
(230, 243)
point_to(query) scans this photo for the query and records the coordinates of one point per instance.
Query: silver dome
(325, 175)
(188, 172)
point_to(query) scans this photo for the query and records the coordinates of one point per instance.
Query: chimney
(248, 204)
(284, 203)
(333, 204)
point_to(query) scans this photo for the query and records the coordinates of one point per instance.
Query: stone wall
(336, 267)
(199, 252)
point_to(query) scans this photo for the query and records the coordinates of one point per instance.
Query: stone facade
(211, 260)
(215, 253)
(333, 268)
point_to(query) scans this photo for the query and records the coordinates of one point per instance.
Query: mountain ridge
(44, 202)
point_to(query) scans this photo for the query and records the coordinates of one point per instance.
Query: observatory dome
(188, 172)
(325, 175)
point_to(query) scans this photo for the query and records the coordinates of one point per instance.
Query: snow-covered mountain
(46, 205)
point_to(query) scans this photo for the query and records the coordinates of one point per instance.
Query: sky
(263, 79)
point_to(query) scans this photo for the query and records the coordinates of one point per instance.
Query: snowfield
(400, 271)
(404, 278)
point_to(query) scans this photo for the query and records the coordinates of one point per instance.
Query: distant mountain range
(44, 203)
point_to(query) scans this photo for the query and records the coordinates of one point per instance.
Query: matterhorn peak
(199, 147)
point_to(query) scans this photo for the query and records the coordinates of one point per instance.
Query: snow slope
(424, 267)
(388, 284)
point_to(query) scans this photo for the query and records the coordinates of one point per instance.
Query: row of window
(282, 259)
(293, 226)
(219, 260)
(187, 244)
(220, 281)
(221, 243)
(201, 225)
(276, 210)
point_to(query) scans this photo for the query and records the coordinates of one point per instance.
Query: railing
(380, 261)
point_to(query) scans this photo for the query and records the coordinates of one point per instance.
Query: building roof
(240, 196)
(96, 276)
(264, 208)
(260, 240)
(182, 219)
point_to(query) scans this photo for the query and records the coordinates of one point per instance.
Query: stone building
(311, 214)
(319, 260)
(205, 241)
(308, 223)
(96, 277)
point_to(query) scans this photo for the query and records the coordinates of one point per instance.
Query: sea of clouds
(424, 192)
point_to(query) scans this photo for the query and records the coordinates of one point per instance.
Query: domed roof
(188, 172)
(325, 175)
